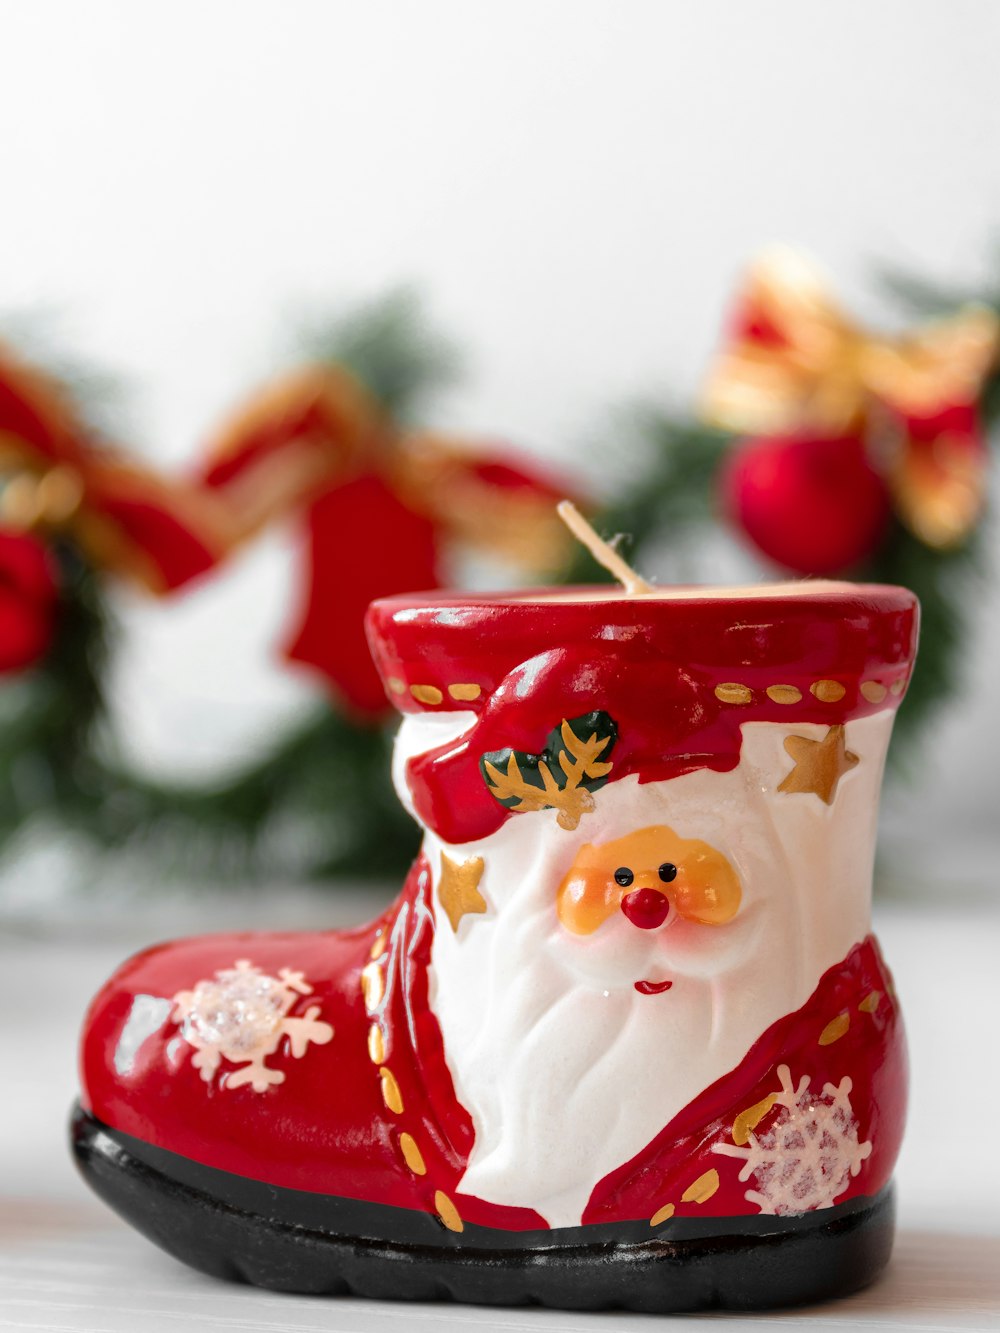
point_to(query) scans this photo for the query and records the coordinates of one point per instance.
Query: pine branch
(941, 580)
(320, 803)
(51, 714)
(100, 399)
(391, 345)
(923, 298)
(671, 495)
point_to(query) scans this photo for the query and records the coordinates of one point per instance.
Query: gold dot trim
(372, 985)
(376, 1044)
(662, 1214)
(731, 692)
(702, 1189)
(391, 1094)
(835, 1029)
(426, 694)
(379, 945)
(747, 1121)
(871, 1002)
(396, 685)
(784, 694)
(465, 691)
(897, 687)
(447, 1212)
(828, 691)
(412, 1155)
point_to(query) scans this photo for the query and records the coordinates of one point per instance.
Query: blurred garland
(319, 803)
(316, 804)
(681, 487)
(678, 495)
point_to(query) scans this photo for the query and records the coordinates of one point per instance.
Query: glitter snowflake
(810, 1153)
(242, 1015)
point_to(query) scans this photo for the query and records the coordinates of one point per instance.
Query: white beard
(567, 1071)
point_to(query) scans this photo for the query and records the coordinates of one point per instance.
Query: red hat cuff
(678, 676)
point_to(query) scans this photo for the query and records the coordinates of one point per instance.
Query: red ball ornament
(813, 505)
(27, 601)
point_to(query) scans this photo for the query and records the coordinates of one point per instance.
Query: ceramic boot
(625, 1037)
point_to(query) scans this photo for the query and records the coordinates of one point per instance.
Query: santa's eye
(624, 876)
(668, 872)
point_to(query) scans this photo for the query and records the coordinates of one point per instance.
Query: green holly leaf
(573, 764)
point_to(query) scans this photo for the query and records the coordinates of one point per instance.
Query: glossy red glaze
(646, 908)
(327, 1129)
(352, 1116)
(653, 665)
(871, 1052)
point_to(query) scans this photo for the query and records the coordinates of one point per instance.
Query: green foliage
(673, 498)
(941, 581)
(99, 398)
(316, 805)
(49, 716)
(670, 495)
(319, 803)
(392, 348)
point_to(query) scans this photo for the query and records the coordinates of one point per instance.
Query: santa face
(621, 968)
(648, 874)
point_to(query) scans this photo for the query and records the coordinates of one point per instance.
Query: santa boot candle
(624, 1038)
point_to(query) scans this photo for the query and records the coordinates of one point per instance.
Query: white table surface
(66, 1263)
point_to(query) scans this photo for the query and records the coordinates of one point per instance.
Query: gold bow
(55, 476)
(797, 365)
(318, 426)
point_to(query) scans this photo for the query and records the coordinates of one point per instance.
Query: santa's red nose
(646, 908)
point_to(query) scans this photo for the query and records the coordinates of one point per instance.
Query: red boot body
(624, 1038)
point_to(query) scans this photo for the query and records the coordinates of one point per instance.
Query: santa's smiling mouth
(652, 987)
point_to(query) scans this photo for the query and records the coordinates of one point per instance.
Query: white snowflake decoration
(241, 1015)
(810, 1153)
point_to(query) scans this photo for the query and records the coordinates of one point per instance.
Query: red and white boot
(625, 1037)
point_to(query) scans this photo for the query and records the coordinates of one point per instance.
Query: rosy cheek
(584, 903)
(709, 893)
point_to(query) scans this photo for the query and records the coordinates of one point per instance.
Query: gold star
(819, 765)
(458, 890)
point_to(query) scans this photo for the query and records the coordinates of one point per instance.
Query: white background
(576, 185)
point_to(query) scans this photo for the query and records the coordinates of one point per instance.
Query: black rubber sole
(242, 1231)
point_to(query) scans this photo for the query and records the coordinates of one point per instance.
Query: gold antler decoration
(563, 777)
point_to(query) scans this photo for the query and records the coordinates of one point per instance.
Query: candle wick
(602, 552)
